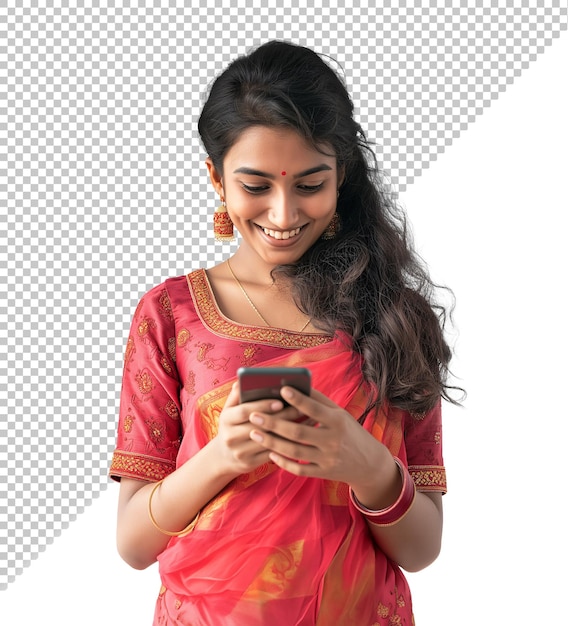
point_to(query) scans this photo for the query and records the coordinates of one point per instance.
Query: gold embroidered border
(130, 465)
(429, 477)
(210, 315)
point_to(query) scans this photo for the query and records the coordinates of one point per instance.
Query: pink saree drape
(271, 548)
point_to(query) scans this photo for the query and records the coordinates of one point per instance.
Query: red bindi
(283, 172)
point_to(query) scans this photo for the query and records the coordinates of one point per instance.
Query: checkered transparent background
(103, 191)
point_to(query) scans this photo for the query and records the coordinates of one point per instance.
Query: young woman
(255, 517)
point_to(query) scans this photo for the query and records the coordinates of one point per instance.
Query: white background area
(490, 218)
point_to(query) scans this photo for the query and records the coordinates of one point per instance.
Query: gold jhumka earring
(332, 228)
(222, 224)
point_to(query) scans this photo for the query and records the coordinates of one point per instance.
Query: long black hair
(367, 281)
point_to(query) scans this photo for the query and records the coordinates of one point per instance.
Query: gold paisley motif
(128, 422)
(183, 337)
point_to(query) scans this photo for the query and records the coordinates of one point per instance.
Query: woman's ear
(215, 176)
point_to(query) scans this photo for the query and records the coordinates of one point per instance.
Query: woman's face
(280, 192)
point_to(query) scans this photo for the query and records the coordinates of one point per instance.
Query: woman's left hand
(337, 448)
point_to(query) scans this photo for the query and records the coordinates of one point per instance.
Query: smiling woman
(255, 515)
(279, 217)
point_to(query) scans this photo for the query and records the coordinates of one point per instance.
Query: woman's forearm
(174, 504)
(415, 541)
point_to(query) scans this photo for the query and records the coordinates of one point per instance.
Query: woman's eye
(254, 188)
(310, 188)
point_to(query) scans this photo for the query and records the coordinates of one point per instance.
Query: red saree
(271, 548)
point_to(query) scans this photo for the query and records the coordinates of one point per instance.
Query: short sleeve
(149, 424)
(423, 442)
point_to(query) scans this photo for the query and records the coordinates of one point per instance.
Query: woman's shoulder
(181, 287)
(166, 294)
(175, 284)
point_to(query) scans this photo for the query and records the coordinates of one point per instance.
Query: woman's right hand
(233, 441)
(186, 490)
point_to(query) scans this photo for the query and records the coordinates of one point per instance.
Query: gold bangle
(179, 533)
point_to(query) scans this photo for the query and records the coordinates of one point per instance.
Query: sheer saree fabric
(271, 548)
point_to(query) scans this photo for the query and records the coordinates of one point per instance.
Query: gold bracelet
(179, 533)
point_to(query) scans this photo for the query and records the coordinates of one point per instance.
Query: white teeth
(281, 234)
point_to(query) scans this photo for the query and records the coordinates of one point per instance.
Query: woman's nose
(284, 213)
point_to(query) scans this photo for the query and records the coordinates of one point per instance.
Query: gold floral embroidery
(190, 383)
(386, 612)
(145, 325)
(203, 349)
(249, 354)
(129, 352)
(131, 465)
(145, 382)
(210, 315)
(172, 348)
(171, 410)
(165, 305)
(419, 416)
(429, 477)
(156, 430)
(165, 364)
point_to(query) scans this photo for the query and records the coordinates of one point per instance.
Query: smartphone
(261, 383)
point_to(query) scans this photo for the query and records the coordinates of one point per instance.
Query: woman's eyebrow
(314, 170)
(252, 172)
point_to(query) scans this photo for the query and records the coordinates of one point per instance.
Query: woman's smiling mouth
(281, 234)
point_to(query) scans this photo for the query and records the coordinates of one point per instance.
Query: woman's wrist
(396, 511)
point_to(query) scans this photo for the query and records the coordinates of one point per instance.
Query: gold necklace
(245, 294)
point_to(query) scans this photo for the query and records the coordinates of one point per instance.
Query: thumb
(234, 397)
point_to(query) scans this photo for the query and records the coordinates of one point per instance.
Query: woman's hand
(337, 448)
(233, 442)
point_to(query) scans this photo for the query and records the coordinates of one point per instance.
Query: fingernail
(286, 392)
(256, 419)
(276, 406)
(256, 436)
